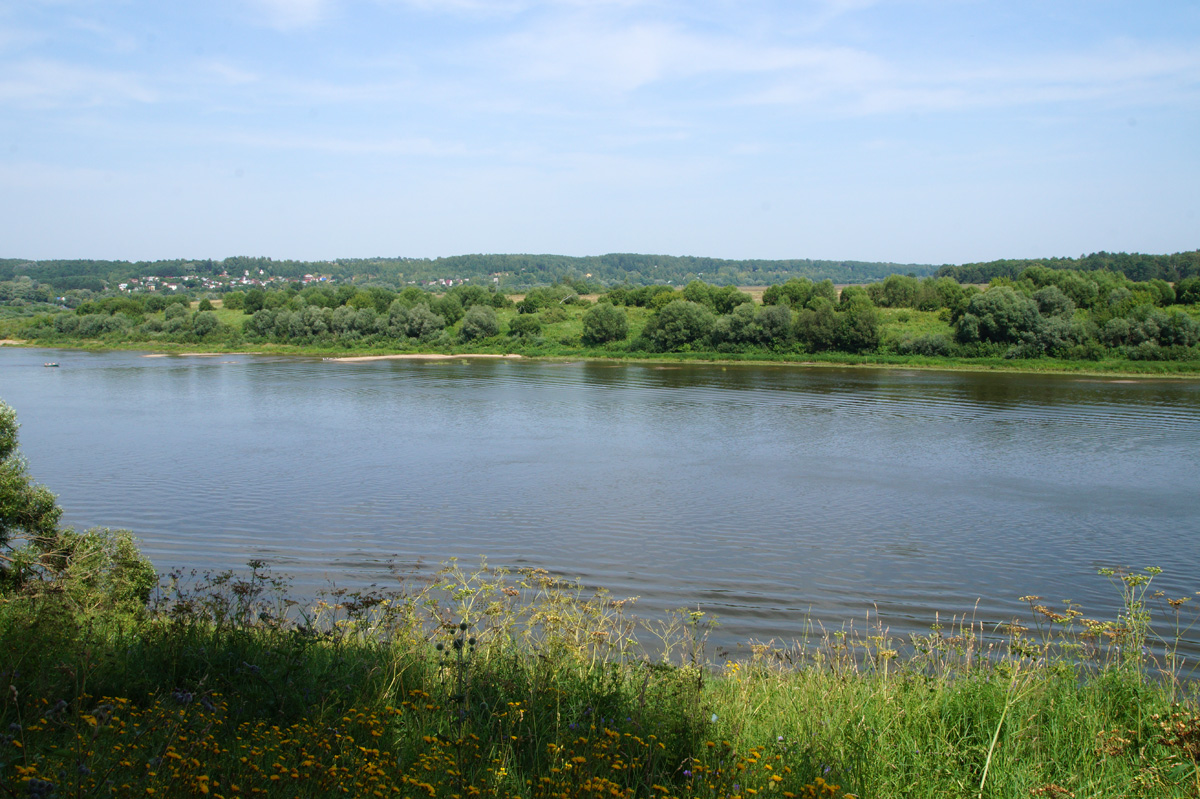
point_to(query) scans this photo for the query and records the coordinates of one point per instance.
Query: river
(773, 497)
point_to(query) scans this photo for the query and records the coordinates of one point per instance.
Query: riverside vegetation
(484, 682)
(1060, 319)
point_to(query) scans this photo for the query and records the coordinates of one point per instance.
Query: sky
(912, 131)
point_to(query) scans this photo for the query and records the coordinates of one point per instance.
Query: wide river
(772, 497)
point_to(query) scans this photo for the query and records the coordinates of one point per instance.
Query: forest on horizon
(515, 272)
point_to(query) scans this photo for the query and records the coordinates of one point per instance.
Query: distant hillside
(520, 272)
(511, 272)
(1135, 266)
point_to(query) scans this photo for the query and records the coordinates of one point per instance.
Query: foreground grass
(521, 685)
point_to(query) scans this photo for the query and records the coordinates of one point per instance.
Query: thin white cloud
(509, 7)
(291, 14)
(228, 73)
(43, 83)
(579, 52)
(849, 81)
(417, 146)
(113, 39)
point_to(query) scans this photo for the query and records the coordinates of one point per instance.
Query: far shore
(1084, 369)
(420, 356)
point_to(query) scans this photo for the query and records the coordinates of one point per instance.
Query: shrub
(525, 326)
(931, 344)
(679, 324)
(479, 322)
(604, 323)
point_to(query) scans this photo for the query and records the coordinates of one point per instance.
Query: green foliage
(498, 684)
(677, 325)
(99, 571)
(604, 323)
(526, 325)
(254, 301)
(1187, 291)
(796, 292)
(27, 510)
(718, 299)
(448, 307)
(999, 315)
(480, 322)
(1134, 266)
(817, 325)
(896, 291)
(929, 345)
(858, 327)
(738, 329)
(1100, 317)
(776, 326)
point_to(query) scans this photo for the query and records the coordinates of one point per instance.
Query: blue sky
(930, 131)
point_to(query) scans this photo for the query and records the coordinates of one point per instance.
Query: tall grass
(484, 682)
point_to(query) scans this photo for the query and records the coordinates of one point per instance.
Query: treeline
(517, 272)
(1135, 266)
(1065, 314)
(509, 272)
(100, 275)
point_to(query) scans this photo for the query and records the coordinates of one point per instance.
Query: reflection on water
(767, 495)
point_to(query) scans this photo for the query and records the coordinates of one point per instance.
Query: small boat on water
(50, 363)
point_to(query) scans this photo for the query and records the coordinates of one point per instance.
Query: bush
(932, 345)
(679, 324)
(479, 322)
(604, 323)
(97, 570)
(999, 315)
(525, 326)
(816, 325)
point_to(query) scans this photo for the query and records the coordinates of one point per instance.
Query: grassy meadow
(488, 683)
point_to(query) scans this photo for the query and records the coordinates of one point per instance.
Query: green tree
(1000, 315)
(254, 301)
(26, 509)
(858, 327)
(796, 292)
(480, 322)
(422, 323)
(603, 323)
(1187, 291)
(896, 291)
(736, 329)
(851, 294)
(817, 324)
(204, 324)
(776, 325)
(679, 324)
(525, 326)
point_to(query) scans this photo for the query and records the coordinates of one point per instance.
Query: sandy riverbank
(420, 356)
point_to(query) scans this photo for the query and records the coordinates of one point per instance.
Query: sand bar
(418, 356)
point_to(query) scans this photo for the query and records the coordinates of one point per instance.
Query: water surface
(768, 496)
